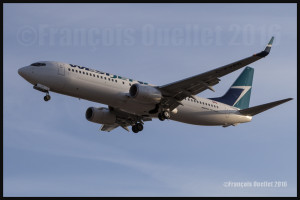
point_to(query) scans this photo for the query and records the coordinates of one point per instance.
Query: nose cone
(21, 72)
(25, 73)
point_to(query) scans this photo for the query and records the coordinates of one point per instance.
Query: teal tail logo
(239, 93)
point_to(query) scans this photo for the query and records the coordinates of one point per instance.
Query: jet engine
(100, 115)
(145, 93)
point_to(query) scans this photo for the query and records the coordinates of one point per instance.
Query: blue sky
(50, 149)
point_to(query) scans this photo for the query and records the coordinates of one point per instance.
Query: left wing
(179, 90)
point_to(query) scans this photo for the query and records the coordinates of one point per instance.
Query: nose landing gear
(47, 97)
(43, 88)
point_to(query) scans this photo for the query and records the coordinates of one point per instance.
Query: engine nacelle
(145, 93)
(100, 115)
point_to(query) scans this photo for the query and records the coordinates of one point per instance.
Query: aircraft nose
(25, 73)
(21, 71)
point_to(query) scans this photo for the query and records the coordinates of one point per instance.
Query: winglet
(271, 41)
(267, 49)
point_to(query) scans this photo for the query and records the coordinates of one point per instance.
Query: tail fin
(239, 93)
(261, 108)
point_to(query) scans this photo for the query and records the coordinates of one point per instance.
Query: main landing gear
(164, 115)
(47, 97)
(137, 127)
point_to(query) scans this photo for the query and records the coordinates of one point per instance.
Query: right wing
(179, 90)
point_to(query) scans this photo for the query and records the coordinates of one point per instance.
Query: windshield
(38, 64)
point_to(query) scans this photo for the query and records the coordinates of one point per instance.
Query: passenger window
(83, 72)
(72, 70)
(94, 75)
(69, 69)
(97, 76)
(76, 71)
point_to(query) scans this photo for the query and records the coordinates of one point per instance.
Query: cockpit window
(38, 64)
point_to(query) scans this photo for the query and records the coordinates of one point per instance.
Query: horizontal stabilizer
(261, 108)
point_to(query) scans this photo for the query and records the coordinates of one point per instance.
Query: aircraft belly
(199, 116)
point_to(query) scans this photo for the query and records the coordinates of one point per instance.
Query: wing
(124, 119)
(179, 90)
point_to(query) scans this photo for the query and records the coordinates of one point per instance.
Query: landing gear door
(61, 70)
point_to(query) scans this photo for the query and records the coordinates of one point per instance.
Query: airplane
(131, 102)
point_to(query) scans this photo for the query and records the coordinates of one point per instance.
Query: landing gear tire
(47, 97)
(166, 114)
(134, 129)
(137, 127)
(161, 117)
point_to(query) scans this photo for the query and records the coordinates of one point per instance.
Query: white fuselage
(112, 90)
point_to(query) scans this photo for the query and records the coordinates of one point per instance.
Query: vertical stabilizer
(239, 93)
